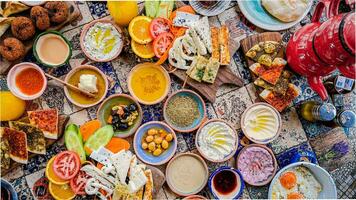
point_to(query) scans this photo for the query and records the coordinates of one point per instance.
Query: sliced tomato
(66, 165)
(78, 183)
(158, 26)
(162, 43)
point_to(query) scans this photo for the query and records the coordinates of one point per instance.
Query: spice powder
(182, 110)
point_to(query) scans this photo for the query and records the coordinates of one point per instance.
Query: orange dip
(29, 81)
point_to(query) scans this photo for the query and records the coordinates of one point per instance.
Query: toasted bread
(215, 49)
(224, 45)
(45, 120)
(211, 70)
(18, 144)
(280, 102)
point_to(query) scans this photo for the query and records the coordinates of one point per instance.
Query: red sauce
(29, 81)
(225, 182)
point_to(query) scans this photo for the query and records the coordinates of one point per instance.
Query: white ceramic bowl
(328, 186)
(11, 80)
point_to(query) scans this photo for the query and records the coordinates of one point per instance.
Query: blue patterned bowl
(257, 15)
(147, 157)
(11, 191)
(239, 186)
(217, 8)
(201, 107)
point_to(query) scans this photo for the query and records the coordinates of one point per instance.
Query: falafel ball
(12, 49)
(23, 28)
(58, 11)
(41, 18)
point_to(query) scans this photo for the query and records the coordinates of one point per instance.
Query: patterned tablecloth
(297, 134)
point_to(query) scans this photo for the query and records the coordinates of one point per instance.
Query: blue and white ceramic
(214, 10)
(239, 187)
(10, 188)
(201, 107)
(257, 15)
(148, 157)
(328, 186)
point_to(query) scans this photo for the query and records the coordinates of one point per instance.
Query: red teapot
(317, 49)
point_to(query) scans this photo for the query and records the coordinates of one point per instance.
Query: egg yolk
(295, 195)
(288, 180)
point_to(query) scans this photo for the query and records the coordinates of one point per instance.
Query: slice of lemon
(139, 29)
(61, 192)
(52, 177)
(142, 50)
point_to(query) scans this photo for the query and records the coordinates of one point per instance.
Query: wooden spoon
(71, 86)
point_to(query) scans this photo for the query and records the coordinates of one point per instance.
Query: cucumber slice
(74, 142)
(100, 138)
(151, 8)
(165, 8)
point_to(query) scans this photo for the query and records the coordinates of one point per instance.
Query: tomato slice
(162, 43)
(66, 165)
(158, 26)
(78, 183)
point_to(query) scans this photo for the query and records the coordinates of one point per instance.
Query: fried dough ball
(12, 49)
(23, 28)
(41, 18)
(57, 10)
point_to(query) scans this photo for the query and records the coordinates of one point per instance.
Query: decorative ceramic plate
(147, 157)
(9, 188)
(257, 15)
(104, 112)
(217, 8)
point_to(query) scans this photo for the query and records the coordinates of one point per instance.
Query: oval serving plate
(104, 112)
(214, 10)
(147, 157)
(201, 107)
(257, 15)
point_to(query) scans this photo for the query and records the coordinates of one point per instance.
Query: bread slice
(4, 150)
(45, 120)
(215, 49)
(148, 195)
(211, 70)
(18, 144)
(224, 45)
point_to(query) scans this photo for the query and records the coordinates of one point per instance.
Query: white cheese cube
(87, 82)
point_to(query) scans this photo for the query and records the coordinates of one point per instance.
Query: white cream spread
(261, 123)
(217, 140)
(87, 82)
(102, 41)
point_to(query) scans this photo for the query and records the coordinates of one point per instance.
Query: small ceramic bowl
(11, 80)
(142, 65)
(76, 69)
(274, 163)
(104, 112)
(171, 183)
(201, 107)
(147, 157)
(236, 193)
(84, 32)
(227, 157)
(11, 191)
(322, 176)
(195, 197)
(279, 120)
(215, 9)
(34, 49)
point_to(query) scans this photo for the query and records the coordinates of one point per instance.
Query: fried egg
(296, 183)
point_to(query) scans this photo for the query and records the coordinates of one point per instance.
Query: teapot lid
(348, 33)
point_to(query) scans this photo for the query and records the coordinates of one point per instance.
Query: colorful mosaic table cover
(297, 134)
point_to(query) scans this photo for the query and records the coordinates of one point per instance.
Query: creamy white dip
(261, 123)
(102, 41)
(217, 140)
(87, 82)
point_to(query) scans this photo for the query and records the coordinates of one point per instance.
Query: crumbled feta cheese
(87, 82)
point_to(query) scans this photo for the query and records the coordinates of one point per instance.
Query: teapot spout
(316, 83)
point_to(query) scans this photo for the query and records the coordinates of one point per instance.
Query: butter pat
(87, 82)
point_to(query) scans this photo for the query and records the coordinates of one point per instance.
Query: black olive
(125, 115)
(126, 110)
(113, 112)
(115, 119)
(123, 126)
(132, 107)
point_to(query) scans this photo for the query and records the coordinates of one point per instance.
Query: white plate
(218, 8)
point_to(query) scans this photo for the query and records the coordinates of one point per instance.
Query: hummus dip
(52, 49)
(102, 41)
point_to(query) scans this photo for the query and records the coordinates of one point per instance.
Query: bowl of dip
(261, 123)
(226, 183)
(257, 164)
(187, 174)
(216, 140)
(88, 78)
(27, 81)
(149, 83)
(52, 49)
(184, 111)
(7, 191)
(195, 197)
(101, 40)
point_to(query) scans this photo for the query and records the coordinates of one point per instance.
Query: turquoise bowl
(201, 107)
(257, 15)
(104, 112)
(147, 157)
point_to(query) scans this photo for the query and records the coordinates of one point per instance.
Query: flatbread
(4, 151)
(149, 186)
(286, 10)
(45, 120)
(215, 51)
(278, 101)
(224, 45)
(13, 7)
(18, 144)
(5, 23)
(36, 142)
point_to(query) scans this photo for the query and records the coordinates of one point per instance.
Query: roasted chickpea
(144, 145)
(157, 152)
(158, 140)
(152, 146)
(149, 138)
(152, 131)
(163, 134)
(169, 137)
(164, 144)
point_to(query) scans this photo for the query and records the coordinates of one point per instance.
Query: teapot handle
(331, 6)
